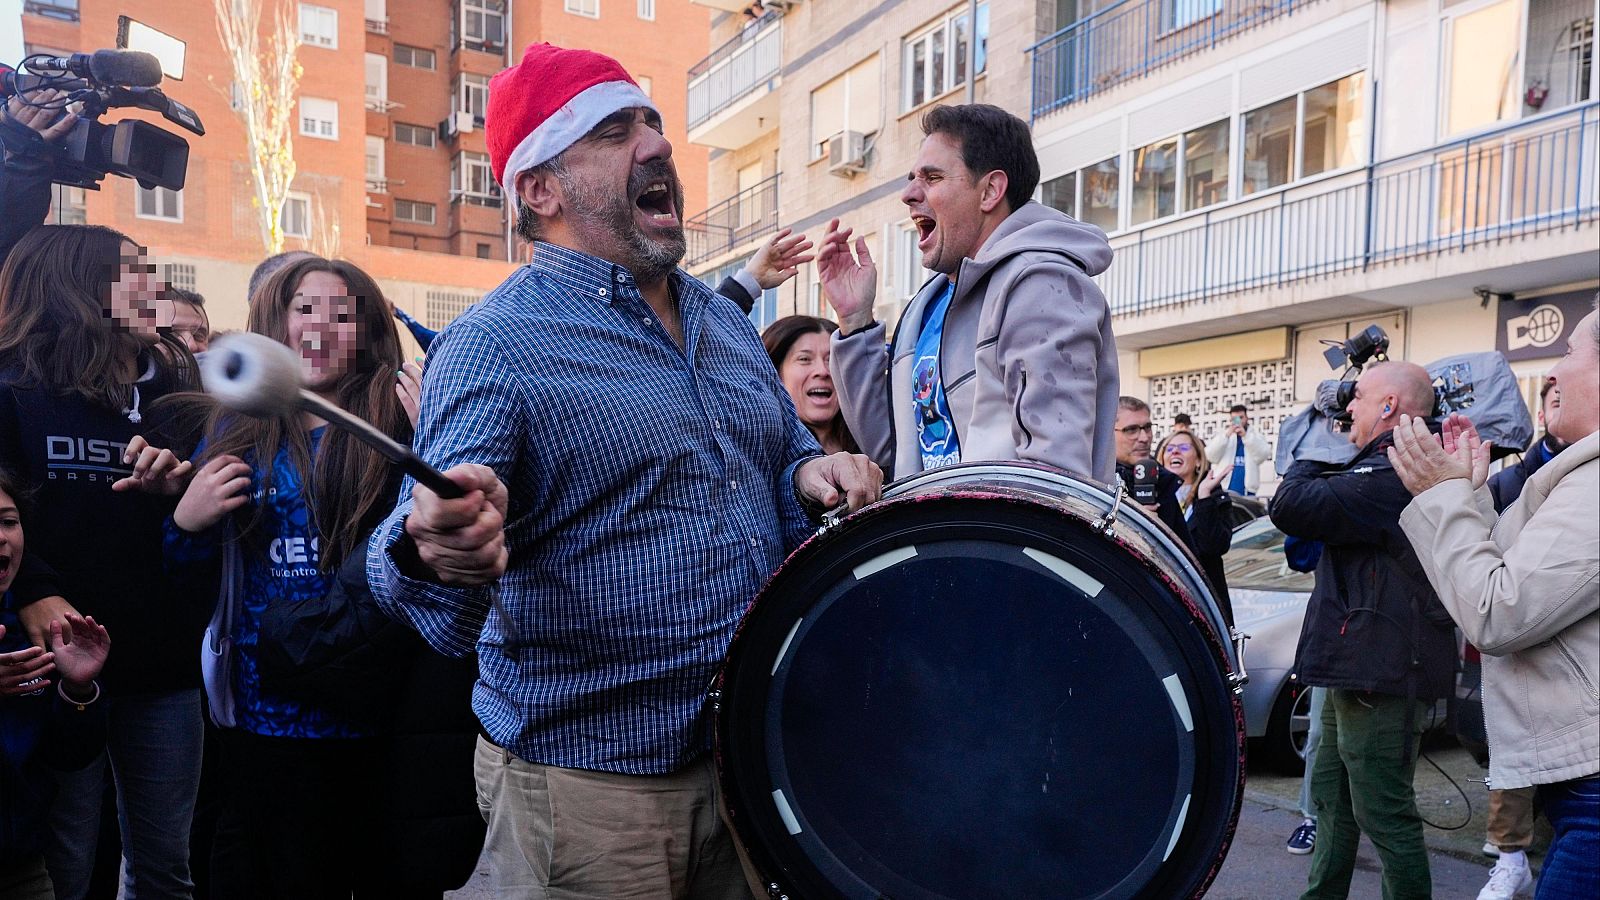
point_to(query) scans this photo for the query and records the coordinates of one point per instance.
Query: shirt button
(733, 484)
(622, 279)
(754, 542)
(716, 423)
(602, 292)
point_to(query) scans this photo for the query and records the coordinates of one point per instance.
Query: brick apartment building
(397, 178)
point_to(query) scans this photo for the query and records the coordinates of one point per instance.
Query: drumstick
(257, 376)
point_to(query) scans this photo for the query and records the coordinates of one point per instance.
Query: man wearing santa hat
(633, 471)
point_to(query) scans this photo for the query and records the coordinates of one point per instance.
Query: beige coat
(1526, 592)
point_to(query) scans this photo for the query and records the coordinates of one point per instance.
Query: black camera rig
(90, 85)
(1352, 355)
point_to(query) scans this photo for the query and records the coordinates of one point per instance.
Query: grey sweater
(1028, 361)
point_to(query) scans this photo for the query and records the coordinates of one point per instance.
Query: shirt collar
(588, 274)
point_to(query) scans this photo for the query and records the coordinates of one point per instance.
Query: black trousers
(296, 821)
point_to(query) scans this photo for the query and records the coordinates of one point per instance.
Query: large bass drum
(999, 681)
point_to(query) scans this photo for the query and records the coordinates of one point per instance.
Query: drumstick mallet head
(259, 377)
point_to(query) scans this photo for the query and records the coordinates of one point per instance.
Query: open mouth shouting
(5, 569)
(656, 202)
(925, 228)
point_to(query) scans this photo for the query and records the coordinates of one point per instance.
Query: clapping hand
(155, 471)
(23, 671)
(848, 282)
(1423, 460)
(779, 259)
(1213, 478)
(82, 645)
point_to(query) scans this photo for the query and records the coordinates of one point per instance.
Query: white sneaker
(1506, 881)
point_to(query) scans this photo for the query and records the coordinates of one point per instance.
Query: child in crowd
(290, 503)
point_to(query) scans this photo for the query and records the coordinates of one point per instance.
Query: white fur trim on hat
(567, 126)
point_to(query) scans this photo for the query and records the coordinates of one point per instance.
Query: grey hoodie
(1028, 361)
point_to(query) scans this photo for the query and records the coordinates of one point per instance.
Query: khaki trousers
(573, 834)
(1510, 824)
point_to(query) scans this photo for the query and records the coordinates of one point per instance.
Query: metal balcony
(732, 223)
(1132, 38)
(733, 95)
(378, 26)
(1535, 176)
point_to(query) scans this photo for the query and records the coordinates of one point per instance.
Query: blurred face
(10, 541)
(191, 326)
(805, 375)
(1241, 419)
(1180, 457)
(1572, 408)
(137, 303)
(945, 201)
(1133, 435)
(621, 195)
(324, 326)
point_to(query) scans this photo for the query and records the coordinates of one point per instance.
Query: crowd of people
(327, 680)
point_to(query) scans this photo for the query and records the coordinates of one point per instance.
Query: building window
(1316, 131)
(849, 102)
(160, 203)
(377, 86)
(65, 10)
(375, 164)
(485, 251)
(415, 135)
(587, 8)
(936, 59)
(908, 271)
(413, 211)
(319, 118)
(67, 203)
(1061, 194)
(1205, 165)
(1177, 14)
(296, 218)
(319, 26)
(416, 57)
(647, 10)
(1197, 160)
(646, 84)
(483, 24)
(472, 180)
(1155, 181)
(1101, 193)
(181, 275)
(1481, 69)
(472, 95)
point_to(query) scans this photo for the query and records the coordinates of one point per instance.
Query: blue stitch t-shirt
(936, 432)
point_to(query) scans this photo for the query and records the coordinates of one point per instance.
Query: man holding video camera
(1375, 635)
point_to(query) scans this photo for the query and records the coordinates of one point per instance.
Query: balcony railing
(378, 26)
(737, 220)
(1134, 37)
(1535, 176)
(65, 10)
(735, 69)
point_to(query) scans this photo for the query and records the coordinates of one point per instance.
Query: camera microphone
(129, 68)
(1143, 485)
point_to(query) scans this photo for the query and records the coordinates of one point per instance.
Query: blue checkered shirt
(651, 495)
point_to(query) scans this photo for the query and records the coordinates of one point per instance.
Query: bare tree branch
(267, 74)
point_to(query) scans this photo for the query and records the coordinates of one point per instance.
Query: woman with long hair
(85, 350)
(279, 511)
(1204, 504)
(798, 347)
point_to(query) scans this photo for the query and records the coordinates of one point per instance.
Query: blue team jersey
(936, 431)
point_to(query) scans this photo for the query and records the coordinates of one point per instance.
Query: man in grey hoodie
(1007, 352)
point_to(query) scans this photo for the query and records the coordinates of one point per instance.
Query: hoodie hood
(1036, 227)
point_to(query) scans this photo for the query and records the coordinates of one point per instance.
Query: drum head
(979, 698)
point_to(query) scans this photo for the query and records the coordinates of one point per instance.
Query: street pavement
(1258, 867)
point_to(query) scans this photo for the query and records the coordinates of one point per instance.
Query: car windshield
(1255, 561)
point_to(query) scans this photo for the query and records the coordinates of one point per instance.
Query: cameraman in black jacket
(25, 163)
(1375, 635)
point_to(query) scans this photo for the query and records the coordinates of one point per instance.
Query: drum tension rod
(1240, 678)
(1108, 522)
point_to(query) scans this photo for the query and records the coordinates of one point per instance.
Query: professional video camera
(93, 84)
(1334, 398)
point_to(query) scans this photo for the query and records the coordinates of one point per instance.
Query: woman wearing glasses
(1204, 504)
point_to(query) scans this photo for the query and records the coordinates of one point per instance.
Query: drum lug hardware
(714, 698)
(775, 892)
(1107, 524)
(833, 517)
(1240, 678)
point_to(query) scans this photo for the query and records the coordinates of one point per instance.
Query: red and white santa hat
(543, 105)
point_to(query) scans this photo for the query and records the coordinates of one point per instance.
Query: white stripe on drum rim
(1066, 571)
(1177, 827)
(883, 561)
(793, 824)
(1180, 700)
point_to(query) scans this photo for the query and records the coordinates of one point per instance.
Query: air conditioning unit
(847, 153)
(458, 122)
